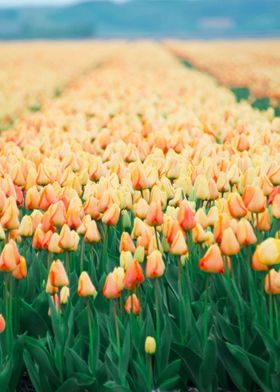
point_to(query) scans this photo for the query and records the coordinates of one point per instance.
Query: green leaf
(207, 369)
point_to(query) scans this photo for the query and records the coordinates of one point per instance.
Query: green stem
(151, 371)
(117, 326)
(157, 311)
(157, 242)
(82, 256)
(104, 251)
(270, 306)
(205, 325)
(90, 327)
(67, 261)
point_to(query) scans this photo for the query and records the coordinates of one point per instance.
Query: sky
(19, 3)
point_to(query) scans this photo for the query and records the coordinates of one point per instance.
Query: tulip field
(139, 230)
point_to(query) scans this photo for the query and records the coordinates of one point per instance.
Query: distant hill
(143, 18)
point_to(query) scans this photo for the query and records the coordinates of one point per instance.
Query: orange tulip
(138, 178)
(155, 266)
(126, 243)
(201, 218)
(111, 288)
(111, 216)
(133, 276)
(185, 216)
(276, 207)
(141, 209)
(212, 261)
(91, 207)
(155, 214)
(37, 217)
(256, 264)
(220, 225)
(2, 323)
(32, 198)
(213, 189)
(263, 221)
(53, 246)
(20, 271)
(229, 244)
(254, 199)
(68, 239)
(170, 228)
(57, 274)
(201, 187)
(245, 233)
(10, 214)
(10, 257)
(243, 143)
(236, 206)
(212, 216)
(85, 286)
(199, 235)
(92, 234)
(26, 226)
(178, 246)
(47, 197)
(272, 282)
(132, 304)
(38, 238)
(58, 217)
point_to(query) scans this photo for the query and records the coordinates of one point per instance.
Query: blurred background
(205, 19)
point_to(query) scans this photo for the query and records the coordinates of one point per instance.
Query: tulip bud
(186, 217)
(212, 261)
(245, 233)
(155, 214)
(201, 187)
(132, 304)
(68, 239)
(263, 221)
(64, 295)
(20, 271)
(57, 274)
(254, 199)
(26, 226)
(272, 282)
(9, 257)
(229, 244)
(126, 221)
(150, 345)
(53, 246)
(155, 266)
(118, 274)
(139, 254)
(58, 217)
(236, 206)
(2, 323)
(178, 246)
(92, 234)
(85, 286)
(111, 216)
(133, 276)
(126, 259)
(111, 288)
(126, 243)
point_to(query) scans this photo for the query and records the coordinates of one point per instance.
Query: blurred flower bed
(254, 65)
